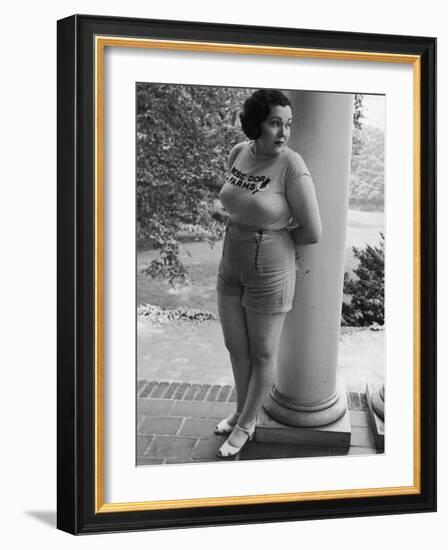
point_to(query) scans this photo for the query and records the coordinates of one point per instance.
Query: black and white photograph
(260, 250)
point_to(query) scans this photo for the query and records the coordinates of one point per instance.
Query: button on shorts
(258, 266)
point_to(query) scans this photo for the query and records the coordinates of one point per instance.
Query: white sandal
(227, 450)
(224, 427)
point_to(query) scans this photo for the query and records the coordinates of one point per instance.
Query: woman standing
(268, 186)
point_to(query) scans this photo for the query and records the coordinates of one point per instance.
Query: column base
(334, 434)
(291, 413)
(376, 422)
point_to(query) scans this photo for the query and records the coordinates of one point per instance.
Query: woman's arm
(302, 200)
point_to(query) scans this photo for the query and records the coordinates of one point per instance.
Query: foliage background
(184, 135)
(367, 169)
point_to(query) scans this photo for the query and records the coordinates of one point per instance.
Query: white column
(305, 391)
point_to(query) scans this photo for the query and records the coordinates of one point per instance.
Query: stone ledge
(376, 423)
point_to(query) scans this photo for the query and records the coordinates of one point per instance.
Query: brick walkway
(176, 421)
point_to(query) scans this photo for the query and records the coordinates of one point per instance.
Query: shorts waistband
(252, 229)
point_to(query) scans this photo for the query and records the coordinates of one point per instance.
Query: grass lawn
(202, 261)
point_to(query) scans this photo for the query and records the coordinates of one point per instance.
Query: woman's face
(275, 131)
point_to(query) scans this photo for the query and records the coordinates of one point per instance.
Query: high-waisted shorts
(259, 266)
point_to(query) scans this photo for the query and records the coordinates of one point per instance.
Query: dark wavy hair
(256, 109)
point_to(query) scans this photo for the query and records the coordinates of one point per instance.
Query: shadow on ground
(48, 517)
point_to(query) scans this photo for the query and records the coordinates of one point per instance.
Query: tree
(366, 290)
(367, 169)
(358, 114)
(184, 135)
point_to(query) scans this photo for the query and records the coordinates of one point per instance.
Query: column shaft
(305, 391)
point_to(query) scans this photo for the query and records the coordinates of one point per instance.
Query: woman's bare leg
(234, 328)
(264, 332)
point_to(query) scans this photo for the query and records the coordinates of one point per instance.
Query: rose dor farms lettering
(251, 183)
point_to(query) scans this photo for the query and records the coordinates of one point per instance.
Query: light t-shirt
(255, 192)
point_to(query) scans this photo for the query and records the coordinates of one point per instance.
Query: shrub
(365, 291)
